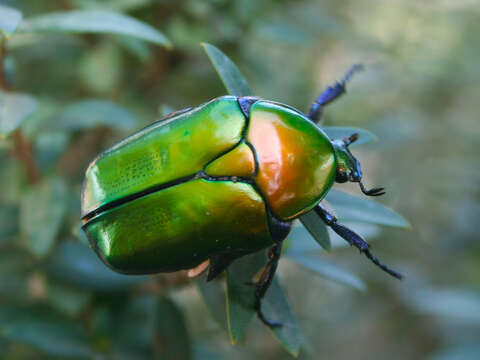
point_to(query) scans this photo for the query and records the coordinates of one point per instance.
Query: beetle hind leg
(219, 263)
(330, 94)
(352, 238)
(265, 281)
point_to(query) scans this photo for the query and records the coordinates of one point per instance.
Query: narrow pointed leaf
(171, 333)
(241, 295)
(14, 109)
(300, 241)
(10, 18)
(328, 271)
(214, 297)
(354, 208)
(232, 78)
(317, 228)
(94, 21)
(276, 308)
(340, 132)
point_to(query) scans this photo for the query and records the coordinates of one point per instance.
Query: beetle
(217, 182)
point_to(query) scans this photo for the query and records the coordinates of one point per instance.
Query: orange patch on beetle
(289, 175)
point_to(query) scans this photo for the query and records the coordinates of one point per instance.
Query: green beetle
(216, 182)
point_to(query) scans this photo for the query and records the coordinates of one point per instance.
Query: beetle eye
(341, 177)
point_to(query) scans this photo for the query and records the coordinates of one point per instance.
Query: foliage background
(419, 95)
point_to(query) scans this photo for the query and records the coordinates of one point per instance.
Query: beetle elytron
(217, 182)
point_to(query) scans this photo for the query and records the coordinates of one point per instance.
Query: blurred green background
(72, 95)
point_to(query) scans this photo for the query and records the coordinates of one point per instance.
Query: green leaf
(14, 109)
(43, 329)
(317, 228)
(214, 296)
(354, 208)
(276, 308)
(136, 47)
(340, 132)
(94, 21)
(171, 333)
(328, 271)
(90, 113)
(42, 211)
(78, 264)
(240, 294)
(232, 78)
(10, 18)
(241, 298)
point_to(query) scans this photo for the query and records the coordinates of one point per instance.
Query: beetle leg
(219, 263)
(330, 94)
(352, 238)
(265, 281)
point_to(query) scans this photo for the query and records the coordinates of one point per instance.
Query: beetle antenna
(372, 192)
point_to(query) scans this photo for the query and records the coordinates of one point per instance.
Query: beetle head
(348, 167)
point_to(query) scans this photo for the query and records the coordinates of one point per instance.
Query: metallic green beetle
(216, 182)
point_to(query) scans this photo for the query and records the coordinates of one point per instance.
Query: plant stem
(22, 150)
(3, 51)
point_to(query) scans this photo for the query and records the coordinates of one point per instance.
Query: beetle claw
(372, 192)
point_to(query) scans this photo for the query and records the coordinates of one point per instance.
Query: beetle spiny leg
(265, 281)
(352, 138)
(355, 68)
(352, 238)
(382, 266)
(330, 94)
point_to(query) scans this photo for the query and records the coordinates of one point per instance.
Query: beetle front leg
(352, 238)
(265, 281)
(330, 94)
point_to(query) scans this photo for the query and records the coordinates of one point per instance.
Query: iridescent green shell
(212, 180)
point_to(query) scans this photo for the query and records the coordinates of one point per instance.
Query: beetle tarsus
(265, 281)
(330, 94)
(353, 239)
(372, 192)
(269, 323)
